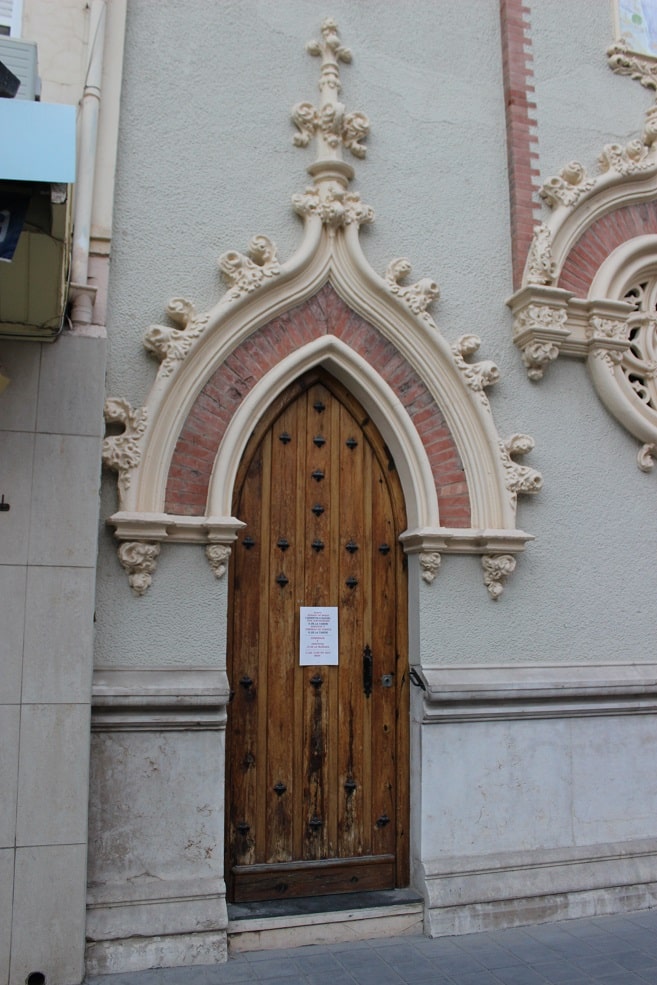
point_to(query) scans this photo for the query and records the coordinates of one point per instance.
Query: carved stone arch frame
(262, 289)
(598, 242)
(632, 260)
(370, 390)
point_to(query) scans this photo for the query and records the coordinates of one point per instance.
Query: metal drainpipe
(82, 294)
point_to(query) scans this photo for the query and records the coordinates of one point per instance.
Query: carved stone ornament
(625, 160)
(624, 61)
(609, 339)
(497, 568)
(246, 273)
(519, 478)
(646, 457)
(335, 206)
(540, 265)
(262, 288)
(612, 327)
(139, 560)
(330, 123)
(417, 296)
(171, 345)
(539, 331)
(480, 375)
(568, 186)
(122, 452)
(429, 565)
(218, 555)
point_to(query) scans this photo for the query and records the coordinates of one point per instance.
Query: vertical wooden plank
(260, 687)
(351, 548)
(370, 766)
(384, 706)
(279, 658)
(243, 664)
(317, 570)
(302, 509)
(334, 673)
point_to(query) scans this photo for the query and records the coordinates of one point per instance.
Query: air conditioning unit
(37, 169)
(20, 57)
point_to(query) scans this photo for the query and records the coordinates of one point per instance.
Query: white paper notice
(318, 644)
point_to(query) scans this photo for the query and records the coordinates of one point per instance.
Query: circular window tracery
(639, 362)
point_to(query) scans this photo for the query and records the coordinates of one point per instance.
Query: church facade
(362, 603)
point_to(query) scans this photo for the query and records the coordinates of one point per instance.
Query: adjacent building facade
(363, 600)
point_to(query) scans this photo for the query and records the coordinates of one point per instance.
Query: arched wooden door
(317, 756)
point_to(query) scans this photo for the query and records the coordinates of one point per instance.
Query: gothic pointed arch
(176, 457)
(590, 281)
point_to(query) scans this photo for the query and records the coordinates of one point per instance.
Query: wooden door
(317, 757)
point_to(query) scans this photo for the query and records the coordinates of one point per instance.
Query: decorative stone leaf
(122, 452)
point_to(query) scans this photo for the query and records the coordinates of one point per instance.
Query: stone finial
(333, 127)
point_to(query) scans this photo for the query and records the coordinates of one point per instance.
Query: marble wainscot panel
(156, 893)
(535, 817)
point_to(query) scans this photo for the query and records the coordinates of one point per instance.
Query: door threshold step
(324, 919)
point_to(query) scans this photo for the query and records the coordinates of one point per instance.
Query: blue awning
(37, 141)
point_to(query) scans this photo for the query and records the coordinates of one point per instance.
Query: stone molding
(159, 699)
(474, 893)
(262, 287)
(159, 950)
(549, 320)
(465, 694)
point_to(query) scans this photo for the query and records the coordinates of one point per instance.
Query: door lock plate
(386, 680)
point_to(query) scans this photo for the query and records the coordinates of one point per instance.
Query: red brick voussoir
(598, 241)
(323, 314)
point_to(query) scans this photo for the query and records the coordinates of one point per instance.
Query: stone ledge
(159, 699)
(487, 693)
(165, 951)
(469, 894)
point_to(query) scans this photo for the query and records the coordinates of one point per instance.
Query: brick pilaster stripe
(521, 142)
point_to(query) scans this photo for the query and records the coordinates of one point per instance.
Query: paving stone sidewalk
(618, 950)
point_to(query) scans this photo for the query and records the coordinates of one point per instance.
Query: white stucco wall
(206, 160)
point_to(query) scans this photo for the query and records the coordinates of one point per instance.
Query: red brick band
(323, 314)
(521, 142)
(600, 239)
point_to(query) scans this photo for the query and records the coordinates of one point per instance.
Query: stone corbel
(218, 555)
(429, 565)
(497, 548)
(497, 568)
(539, 326)
(139, 561)
(141, 535)
(608, 340)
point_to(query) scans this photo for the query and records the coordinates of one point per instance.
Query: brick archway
(324, 314)
(600, 239)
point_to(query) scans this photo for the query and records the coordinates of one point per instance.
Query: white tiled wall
(50, 437)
